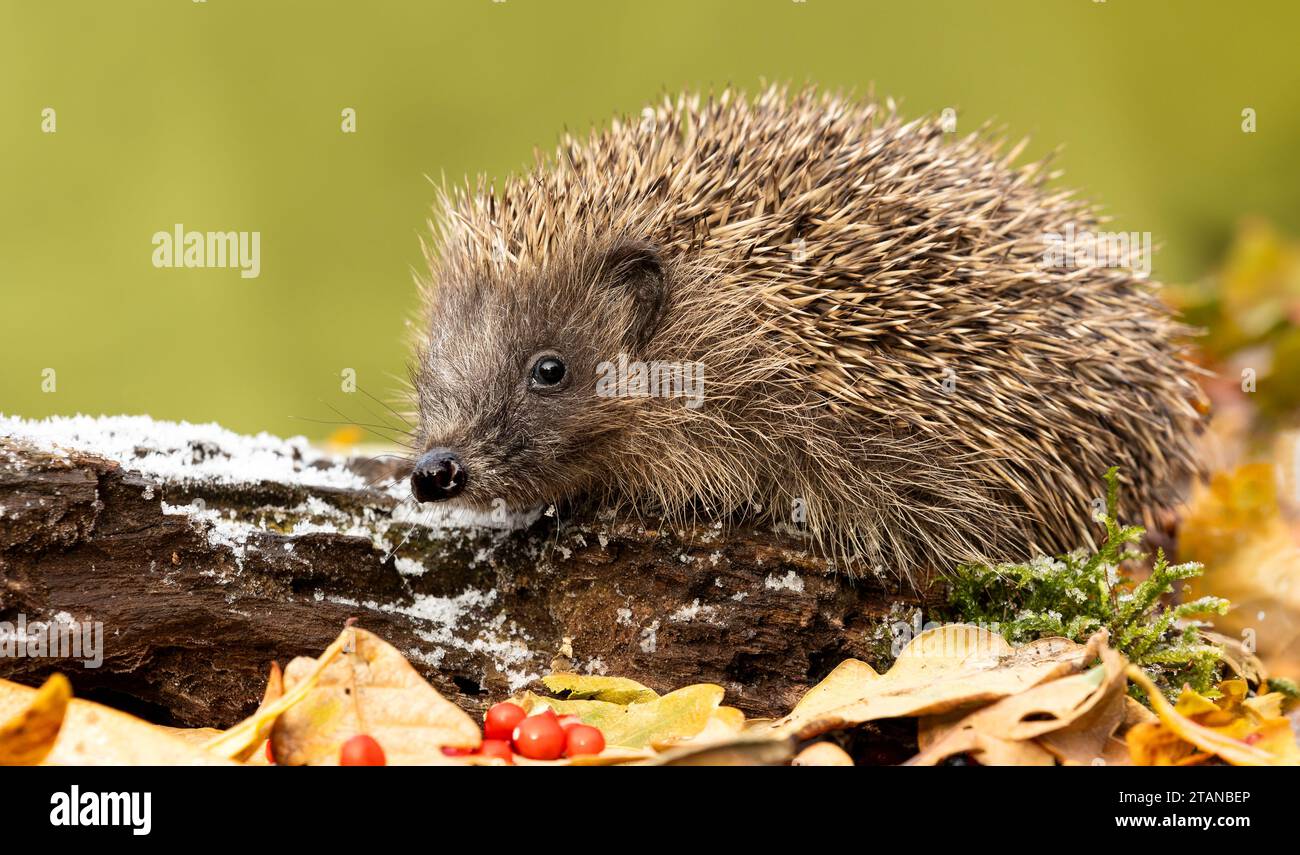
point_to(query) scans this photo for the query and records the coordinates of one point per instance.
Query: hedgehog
(801, 307)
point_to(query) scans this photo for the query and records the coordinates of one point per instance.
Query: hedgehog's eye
(548, 372)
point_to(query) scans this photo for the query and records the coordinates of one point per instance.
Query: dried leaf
(95, 735)
(822, 754)
(1239, 658)
(28, 736)
(245, 738)
(941, 670)
(1090, 739)
(1235, 525)
(255, 753)
(725, 725)
(1074, 719)
(368, 688)
(848, 680)
(199, 737)
(613, 755)
(742, 751)
(1234, 729)
(1086, 707)
(274, 687)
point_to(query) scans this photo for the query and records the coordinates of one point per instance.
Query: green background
(225, 115)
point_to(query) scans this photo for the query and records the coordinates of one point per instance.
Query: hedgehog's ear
(636, 268)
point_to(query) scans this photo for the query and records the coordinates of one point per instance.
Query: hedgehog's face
(509, 410)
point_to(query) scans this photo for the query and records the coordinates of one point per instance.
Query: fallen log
(205, 555)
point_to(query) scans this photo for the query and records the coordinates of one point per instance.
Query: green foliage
(1285, 686)
(1077, 594)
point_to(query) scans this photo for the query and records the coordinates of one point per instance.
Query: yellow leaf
(675, 716)
(1231, 730)
(726, 724)
(27, 737)
(95, 735)
(590, 687)
(1238, 528)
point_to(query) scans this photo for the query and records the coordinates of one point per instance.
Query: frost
(408, 567)
(499, 639)
(650, 638)
(222, 533)
(208, 454)
(197, 455)
(184, 453)
(695, 611)
(789, 582)
(309, 527)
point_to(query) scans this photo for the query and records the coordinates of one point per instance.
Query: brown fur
(676, 237)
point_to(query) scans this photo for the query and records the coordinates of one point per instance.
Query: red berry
(502, 719)
(270, 755)
(584, 739)
(568, 721)
(498, 749)
(539, 737)
(361, 750)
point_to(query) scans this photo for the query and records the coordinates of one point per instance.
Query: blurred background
(1181, 116)
(226, 115)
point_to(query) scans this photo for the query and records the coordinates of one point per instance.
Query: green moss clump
(1077, 594)
(1284, 686)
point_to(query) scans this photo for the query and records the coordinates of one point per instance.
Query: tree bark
(201, 584)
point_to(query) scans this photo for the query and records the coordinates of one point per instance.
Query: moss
(1284, 686)
(1077, 594)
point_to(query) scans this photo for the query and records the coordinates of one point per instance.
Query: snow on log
(204, 555)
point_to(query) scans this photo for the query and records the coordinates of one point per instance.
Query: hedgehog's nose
(438, 475)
